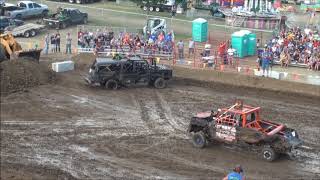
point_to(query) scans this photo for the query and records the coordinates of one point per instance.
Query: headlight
(293, 133)
(90, 70)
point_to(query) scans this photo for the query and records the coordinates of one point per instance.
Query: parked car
(6, 22)
(113, 73)
(66, 17)
(26, 9)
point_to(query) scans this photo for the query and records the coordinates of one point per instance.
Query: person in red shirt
(316, 43)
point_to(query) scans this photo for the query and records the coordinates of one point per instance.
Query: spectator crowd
(295, 46)
(103, 41)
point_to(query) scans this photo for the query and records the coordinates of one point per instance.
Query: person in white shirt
(191, 48)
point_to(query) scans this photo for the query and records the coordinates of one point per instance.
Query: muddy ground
(68, 130)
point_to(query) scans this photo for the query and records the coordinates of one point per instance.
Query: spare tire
(199, 140)
(112, 84)
(160, 83)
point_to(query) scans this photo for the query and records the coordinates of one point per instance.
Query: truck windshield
(23, 5)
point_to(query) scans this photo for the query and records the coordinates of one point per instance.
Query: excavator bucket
(11, 49)
(30, 54)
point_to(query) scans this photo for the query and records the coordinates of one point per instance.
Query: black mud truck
(113, 73)
(240, 125)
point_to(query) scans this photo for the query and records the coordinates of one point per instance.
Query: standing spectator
(46, 43)
(259, 62)
(57, 36)
(180, 45)
(265, 63)
(68, 43)
(53, 43)
(173, 10)
(191, 47)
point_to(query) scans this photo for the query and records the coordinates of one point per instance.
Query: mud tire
(160, 83)
(199, 140)
(268, 154)
(112, 84)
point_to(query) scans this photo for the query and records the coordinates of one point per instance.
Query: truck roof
(70, 9)
(244, 110)
(109, 60)
(26, 2)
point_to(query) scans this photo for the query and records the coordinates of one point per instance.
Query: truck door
(75, 16)
(142, 70)
(37, 9)
(127, 74)
(30, 11)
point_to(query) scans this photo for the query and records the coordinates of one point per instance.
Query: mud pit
(68, 130)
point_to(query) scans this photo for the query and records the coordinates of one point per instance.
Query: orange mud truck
(241, 125)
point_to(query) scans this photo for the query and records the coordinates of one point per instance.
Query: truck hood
(44, 6)
(162, 67)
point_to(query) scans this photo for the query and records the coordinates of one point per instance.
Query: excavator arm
(11, 49)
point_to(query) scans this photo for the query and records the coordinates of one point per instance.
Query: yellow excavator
(11, 49)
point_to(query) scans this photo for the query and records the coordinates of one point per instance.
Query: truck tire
(157, 9)
(71, 1)
(18, 16)
(160, 83)
(151, 8)
(199, 140)
(79, 1)
(145, 8)
(63, 26)
(85, 20)
(33, 32)
(269, 154)
(112, 84)
(44, 13)
(26, 34)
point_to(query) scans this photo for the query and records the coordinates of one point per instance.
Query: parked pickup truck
(6, 22)
(26, 9)
(66, 17)
(26, 30)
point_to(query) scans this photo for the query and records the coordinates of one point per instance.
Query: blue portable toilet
(200, 30)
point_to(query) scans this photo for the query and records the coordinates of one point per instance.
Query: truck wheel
(71, 1)
(199, 140)
(85, 20)
(33, 33)
(63, 26)
(26, 34)
(78, 1)
(157, 9)
(145, 8)
(44, 14)
(18, 16)
(160, 83)
(112, 84)
(269, 154)
(151, 8)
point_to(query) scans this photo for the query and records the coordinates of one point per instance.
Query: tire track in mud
(156, 113)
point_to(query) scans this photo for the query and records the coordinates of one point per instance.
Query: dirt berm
(17, 75)
(212, 78)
